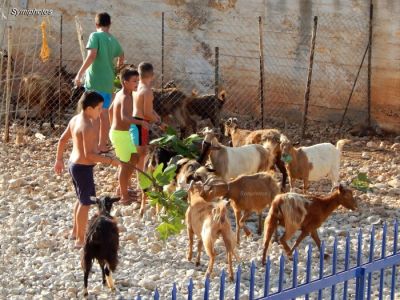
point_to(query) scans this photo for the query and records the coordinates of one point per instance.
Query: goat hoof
(326, 256)
(197, 263)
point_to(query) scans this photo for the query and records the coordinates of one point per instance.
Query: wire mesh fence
(201, 59)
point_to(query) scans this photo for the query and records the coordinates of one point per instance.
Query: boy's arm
(120, 60)
(92, 53)
(65, 137)
(110, 112)
(89, 144)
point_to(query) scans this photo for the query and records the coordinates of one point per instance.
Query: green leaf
(169, 172)
(179, 194)
(144, 182)
(171, 131)
(158, 170)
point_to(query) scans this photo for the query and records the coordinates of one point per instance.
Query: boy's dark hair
(127, 73)
(89, 99)
(103, 19)
(145, 69)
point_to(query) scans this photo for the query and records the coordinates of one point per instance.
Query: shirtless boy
(143, 110)
(83, 158)
(121, 119)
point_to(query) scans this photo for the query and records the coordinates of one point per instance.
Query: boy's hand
(115, 163)
(77, 80)
(59, 166)
(145, 124)
(163, 126)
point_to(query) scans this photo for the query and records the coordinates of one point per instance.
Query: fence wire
(183, 50)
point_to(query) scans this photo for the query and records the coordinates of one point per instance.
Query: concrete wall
(194, 28)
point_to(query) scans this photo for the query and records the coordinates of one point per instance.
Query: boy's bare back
(123, 104)
(143, 100)
(84, 139)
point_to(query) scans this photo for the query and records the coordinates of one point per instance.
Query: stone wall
(194, 28)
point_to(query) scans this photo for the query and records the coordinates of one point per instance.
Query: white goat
(231, 162)
(312, 163)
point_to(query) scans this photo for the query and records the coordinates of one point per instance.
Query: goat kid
(305, 213)
(208, 221)
(101, 243)
(312, 163)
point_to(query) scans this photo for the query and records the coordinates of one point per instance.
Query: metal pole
(162, 51)
(216, 75)
(8, 82)
(262, 83)
(354, 85)
(371, 13)
(310, 68)
(59, 71)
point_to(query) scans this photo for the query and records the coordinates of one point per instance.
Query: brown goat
(248, 193)
(306, 213)
(207, 106)
(208, 221)
(174, 102)
(269, 138)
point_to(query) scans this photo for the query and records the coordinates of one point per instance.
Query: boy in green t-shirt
(102, 48)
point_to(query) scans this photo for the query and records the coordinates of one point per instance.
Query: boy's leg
(82, 220)
(124, 178)
(74, 220)
(142, 150)
(104, 129)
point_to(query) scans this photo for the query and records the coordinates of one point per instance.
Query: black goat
(101, 243)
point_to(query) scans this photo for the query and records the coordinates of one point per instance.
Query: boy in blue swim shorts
(102, 48)
(83, 158)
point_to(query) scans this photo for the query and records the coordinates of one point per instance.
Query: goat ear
(195, 92)
(222, 96)
(235, 120)
(229, 121)
(341, 188)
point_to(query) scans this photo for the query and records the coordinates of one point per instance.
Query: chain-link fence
(203, 57)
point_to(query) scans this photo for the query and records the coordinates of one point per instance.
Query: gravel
(39, 262)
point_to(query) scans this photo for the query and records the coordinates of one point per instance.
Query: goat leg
(190, 250)
(271, 225)
(242, 222)
(315, 237)
(259, 231)
(86, 262)
(110, 281)
(298, 241)
(199, 247)
(238, 215)
(103, 272)
(281, 166)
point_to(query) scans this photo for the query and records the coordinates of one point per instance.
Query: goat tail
(340, 144)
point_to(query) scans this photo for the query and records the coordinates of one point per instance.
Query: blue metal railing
(361, 273)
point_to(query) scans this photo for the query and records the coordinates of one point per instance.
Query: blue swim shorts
(82, 178)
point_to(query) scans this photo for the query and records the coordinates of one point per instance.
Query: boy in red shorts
(143, 110)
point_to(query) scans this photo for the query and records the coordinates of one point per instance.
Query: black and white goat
(101, 243)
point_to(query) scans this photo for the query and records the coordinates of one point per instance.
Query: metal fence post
(162, 51)
(371, 13)
(59, 71)
(8, 82)
(262, 82)
(309, 76)
(360, 292)
(252, 280)
(216, 75)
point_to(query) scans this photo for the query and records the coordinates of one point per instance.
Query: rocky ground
(39, 262)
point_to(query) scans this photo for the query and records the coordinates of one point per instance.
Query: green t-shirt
(100, 75)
